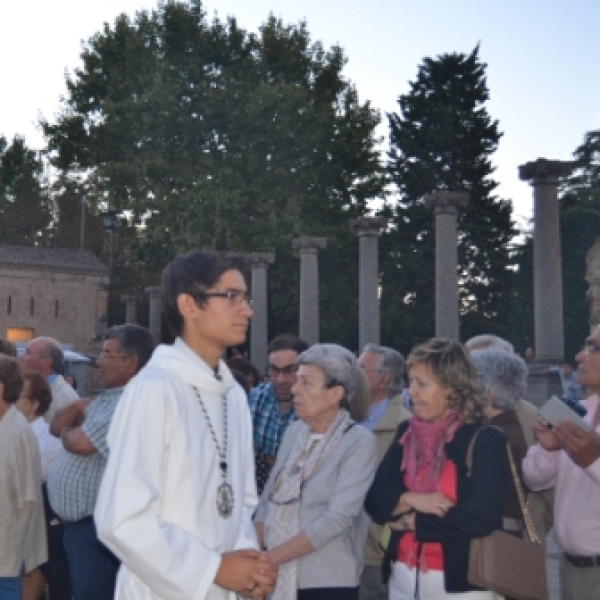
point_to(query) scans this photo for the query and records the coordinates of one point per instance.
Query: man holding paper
(566, 457)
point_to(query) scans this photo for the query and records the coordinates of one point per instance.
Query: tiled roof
(60, 259)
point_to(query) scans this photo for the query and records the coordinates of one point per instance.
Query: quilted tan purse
(507, 564)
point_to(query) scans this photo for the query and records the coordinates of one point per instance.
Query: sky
(542, 56)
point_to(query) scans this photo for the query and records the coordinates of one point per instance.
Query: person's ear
(135, 363)
(337, 393)
(187, 305)
(385, 380)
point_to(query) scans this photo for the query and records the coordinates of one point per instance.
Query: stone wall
(66, 305)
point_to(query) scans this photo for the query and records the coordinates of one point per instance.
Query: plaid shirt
(74, 479)
(268, 423)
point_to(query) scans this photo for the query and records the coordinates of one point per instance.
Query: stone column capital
(153, 290)
(368, 226)
(131, 298)
(309, 245)
(544, 171)
(261, 259)
(446, 202)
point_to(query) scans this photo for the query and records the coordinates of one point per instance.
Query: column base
(541, 384)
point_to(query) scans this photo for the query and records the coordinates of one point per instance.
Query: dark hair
(245, 367)
(242, 380)
(193, 274)
(8, 348)
(133, 339)
(453, 368)
(287, 341)
(11, 377)
(40, 390)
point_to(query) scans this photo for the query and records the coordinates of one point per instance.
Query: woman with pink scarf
(422, 487)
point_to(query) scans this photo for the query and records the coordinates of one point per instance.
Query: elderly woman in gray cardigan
(310, 516)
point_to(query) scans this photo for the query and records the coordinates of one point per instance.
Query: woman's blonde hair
(452, 367)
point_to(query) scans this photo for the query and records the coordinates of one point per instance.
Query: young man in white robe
(178, 494)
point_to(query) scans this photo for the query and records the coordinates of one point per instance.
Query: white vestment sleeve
(247, 537)
(169, 559)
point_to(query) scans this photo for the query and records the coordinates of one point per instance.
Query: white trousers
(431, 586)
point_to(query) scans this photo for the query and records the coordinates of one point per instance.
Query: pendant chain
(221, 451)
(225, 496)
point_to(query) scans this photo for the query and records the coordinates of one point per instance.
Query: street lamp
(109, 221)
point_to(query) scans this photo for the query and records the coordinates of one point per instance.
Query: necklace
(225, 498)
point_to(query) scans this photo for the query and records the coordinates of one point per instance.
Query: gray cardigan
(331, 508)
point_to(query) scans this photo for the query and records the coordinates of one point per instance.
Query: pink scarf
(424, 456)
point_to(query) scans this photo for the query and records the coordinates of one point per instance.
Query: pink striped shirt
(577, 493)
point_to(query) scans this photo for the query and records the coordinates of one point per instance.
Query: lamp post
(109, 221)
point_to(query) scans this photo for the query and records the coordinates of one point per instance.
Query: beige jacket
(384, 432)
(22, 527)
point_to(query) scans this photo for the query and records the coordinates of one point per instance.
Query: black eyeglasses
(288, 371)
(235, 297)
(591, 347)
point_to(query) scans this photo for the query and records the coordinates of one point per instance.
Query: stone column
(446, 206)
(368, 230)
(154, 292)
(544, 176)
(309, 286)
(131, 302)
(259, 338)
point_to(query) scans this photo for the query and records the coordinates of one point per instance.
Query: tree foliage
(579, 228)
(220, 139)
(25, 207)
(443, 139)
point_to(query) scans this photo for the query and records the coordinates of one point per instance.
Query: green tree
(220, 139)
(521, 316)
(25, 207)
(443, 139)
(579, 229)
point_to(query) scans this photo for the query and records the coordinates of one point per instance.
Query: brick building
(56, 292)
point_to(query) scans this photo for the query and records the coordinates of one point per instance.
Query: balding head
(45, 355)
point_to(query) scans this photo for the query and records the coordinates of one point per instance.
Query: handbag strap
(533, 537)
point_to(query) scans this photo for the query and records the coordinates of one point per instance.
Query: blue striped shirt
(74, 479)
(268, 423)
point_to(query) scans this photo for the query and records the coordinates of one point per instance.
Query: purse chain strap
(533, 537)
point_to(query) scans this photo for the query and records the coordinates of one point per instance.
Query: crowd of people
(334, 477)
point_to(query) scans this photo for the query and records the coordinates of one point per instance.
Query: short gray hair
(339, 366)
(392, 363)
(502, 373)
(134, 340)
(487, 340)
